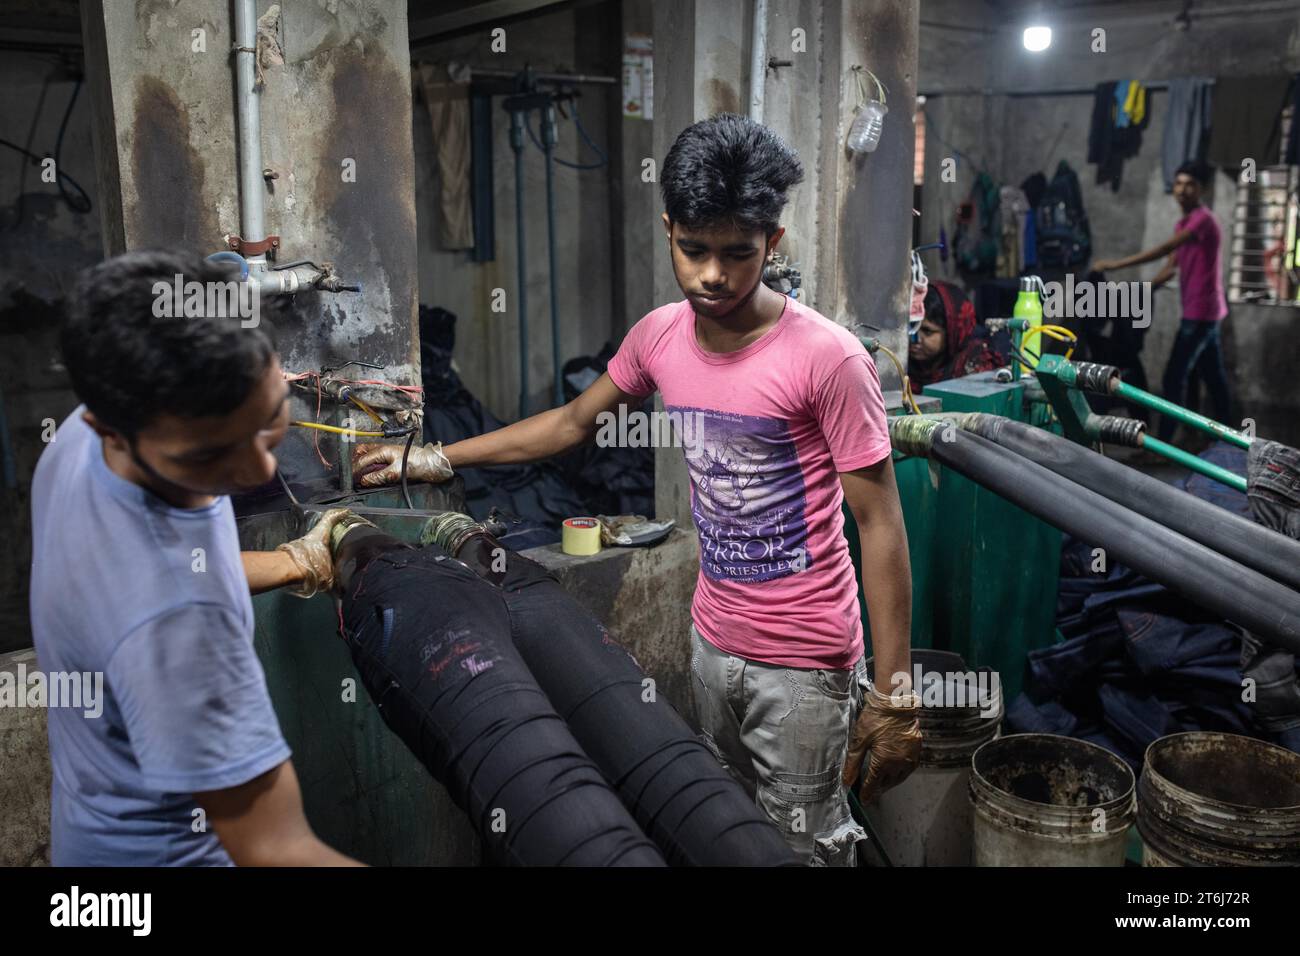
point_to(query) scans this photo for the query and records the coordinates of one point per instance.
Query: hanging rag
(446, 94)
(1187, 124)
(1247, 120)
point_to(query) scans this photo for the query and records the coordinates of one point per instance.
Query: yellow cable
(337, 430)
(1058, 332)
(365, 408)
(902, 375)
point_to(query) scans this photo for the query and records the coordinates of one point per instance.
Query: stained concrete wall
(1013, 137)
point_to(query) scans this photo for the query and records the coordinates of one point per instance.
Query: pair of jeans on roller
(544, 729)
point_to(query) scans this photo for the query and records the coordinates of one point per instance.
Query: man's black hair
(1201, 172)
(728, 170)
(129, 365)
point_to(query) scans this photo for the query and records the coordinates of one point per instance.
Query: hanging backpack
(1064, 238)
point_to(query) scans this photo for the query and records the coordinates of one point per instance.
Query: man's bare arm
(1167, 272)
(872, 496)
(268, 570)
(261, 823)
(549, 433)
(1179, 238)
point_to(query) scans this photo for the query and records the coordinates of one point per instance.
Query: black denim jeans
(432, 643)
(1198, 345)
(513, 695)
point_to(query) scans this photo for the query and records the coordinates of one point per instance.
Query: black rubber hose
(1201, 575)
(1230, 534)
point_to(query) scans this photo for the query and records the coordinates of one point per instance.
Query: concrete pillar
(166, 151)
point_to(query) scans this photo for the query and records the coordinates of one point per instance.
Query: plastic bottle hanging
(864, 134)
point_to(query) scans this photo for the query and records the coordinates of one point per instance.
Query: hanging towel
(1135, 103)
(1187, 124)
(446, 93)
(1121, 98)
(1247, 120)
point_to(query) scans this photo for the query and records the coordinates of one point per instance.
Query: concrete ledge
(24, 776)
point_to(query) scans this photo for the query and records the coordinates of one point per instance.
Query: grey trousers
(782, 732)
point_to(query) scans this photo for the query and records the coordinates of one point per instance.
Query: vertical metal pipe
(758, 62)
(252, 213)
(548, 147)
(517, 144)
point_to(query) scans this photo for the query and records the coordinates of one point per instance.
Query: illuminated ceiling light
(1038, 39)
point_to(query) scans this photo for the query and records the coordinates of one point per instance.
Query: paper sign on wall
(638, 76)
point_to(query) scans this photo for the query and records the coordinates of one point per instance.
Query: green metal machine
(984, 572)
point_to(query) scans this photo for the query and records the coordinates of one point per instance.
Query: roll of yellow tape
(580, 536)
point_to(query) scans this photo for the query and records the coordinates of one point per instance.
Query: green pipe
(1184, 415)
(1187, 460)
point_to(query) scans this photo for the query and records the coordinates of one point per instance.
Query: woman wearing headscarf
(947, 343)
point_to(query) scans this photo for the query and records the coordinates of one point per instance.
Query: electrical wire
(82, 205)
(902, 374)
(339, 431)
(604, 160)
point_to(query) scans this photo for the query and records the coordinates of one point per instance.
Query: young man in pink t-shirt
(781, 421)
(1194, 252)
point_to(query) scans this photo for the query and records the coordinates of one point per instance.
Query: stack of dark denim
(1137, 661)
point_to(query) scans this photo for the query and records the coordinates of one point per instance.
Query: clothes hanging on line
(1187, 124)
(1115, 132)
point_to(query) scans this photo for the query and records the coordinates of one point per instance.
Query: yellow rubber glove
(425, 463)
(889, 728)
(311, 553)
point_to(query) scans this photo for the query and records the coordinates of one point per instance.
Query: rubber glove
(311, 553)
(425, 463)
(889, 728)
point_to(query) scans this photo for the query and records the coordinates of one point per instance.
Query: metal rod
(521, 250)
(545, 77)
(548, 148)
(1188, 460)
(1185, 415)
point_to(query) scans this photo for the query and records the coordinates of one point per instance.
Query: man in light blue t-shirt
(137, 576)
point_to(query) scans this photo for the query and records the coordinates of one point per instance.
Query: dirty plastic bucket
(926, 820)
(1211, 799)
(1044, 800)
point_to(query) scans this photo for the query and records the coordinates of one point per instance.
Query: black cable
(564, 162)
(84, 204)
(57, 171)
(406, 453)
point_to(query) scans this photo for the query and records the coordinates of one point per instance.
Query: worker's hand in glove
(888, 736)
(376, 465)
(311, 553)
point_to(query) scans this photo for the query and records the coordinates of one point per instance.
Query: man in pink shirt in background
(781, 421)
(1194, 251)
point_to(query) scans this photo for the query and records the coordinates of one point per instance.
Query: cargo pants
(782, 733)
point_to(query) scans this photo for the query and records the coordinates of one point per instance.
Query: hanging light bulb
(1038, 38)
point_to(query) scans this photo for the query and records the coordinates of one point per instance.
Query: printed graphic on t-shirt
(747, 496)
